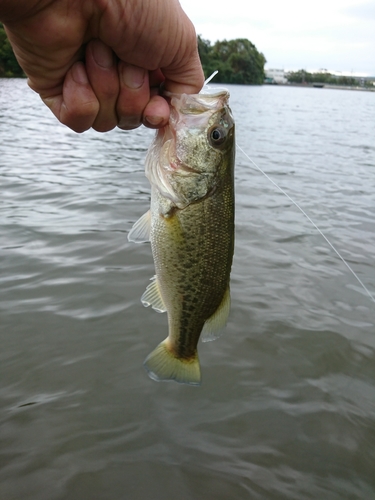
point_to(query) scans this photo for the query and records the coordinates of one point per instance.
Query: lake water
(287, 405)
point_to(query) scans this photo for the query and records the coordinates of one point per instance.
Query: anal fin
(213, 326)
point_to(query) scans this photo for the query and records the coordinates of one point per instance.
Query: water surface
(287, 405)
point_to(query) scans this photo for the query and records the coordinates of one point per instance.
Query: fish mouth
(208, 99)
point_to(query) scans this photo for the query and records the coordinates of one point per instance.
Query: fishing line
(300, 209)
(210, 78)
(309, 219)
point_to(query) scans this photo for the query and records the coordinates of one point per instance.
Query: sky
(336, 35)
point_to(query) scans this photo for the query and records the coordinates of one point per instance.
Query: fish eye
(217, 136)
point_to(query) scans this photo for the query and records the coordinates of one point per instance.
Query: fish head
(195, 151)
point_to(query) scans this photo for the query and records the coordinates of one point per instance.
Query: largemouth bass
(190, 166)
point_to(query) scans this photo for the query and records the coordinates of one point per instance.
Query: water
(287, 405)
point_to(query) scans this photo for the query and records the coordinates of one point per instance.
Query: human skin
(99, 63)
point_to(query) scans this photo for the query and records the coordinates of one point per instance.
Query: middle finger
(133, 97)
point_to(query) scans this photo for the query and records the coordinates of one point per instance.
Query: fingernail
(129, 122)
(48, 101)
(153, 121)
(132, 76)
(102, 54)
(79, 74)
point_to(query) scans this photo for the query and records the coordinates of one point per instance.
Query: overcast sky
(338, 35)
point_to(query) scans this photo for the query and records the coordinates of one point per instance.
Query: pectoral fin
(140, 232)
(152, 297)
(213, 326)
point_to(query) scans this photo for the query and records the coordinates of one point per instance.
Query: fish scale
(193, 255)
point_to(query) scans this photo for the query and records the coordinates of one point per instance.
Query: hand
(99, 63)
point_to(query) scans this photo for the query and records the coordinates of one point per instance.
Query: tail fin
(162, 364)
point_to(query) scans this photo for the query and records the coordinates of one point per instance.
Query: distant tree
(238, 61)
(8, 62)
(204, 49)
(302, 76)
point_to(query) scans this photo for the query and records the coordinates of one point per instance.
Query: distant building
(275, 76)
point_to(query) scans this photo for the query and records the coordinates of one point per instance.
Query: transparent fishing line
(311, 221)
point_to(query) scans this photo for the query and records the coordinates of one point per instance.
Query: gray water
(287, 405)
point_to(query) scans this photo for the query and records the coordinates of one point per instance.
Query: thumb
(185, 78)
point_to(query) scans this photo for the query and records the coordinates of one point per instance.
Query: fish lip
(208, 92)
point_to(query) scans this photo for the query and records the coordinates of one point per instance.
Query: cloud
(364, 11)
(338, 33)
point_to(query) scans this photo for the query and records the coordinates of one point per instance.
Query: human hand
(100, 63)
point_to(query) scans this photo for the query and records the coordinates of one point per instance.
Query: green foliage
(8, 63)
(238, 61)
(302, 76)
(370, 84)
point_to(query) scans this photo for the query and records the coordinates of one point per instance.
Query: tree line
(302, 76)
(237, 61)
(8, 63)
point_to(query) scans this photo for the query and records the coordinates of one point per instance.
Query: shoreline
(322, 86)
(316, 85)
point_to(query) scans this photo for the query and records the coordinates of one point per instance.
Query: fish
(190, 224)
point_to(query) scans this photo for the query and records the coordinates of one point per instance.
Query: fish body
(190, 166)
